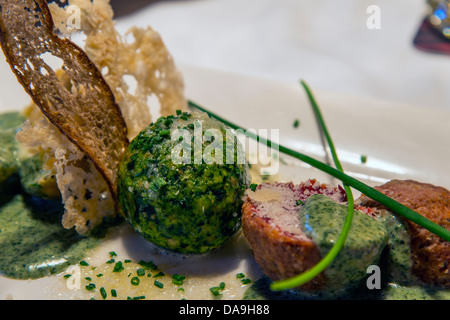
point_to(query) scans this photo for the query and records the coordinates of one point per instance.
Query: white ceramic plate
(399, 142)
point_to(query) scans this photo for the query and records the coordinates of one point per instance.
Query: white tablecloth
(325, 42)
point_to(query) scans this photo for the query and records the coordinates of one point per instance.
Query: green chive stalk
(346, 179)
(331, 255)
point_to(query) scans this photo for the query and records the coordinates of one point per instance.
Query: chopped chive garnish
(253, 186)
(140, 272)
(118, 267)
(164, 133)
(158, 284)
(112, 254)
(103, 293)
(84, 263)
(113, 293)
(246, 281)
(363, 158)
(240, 275)
(66, 276)
(127, 261)
(215, 291)
(178, 112)
(149, 265)
(159, 274)
(157, 184)
(88, 279)
(296, 123)
(178, 279)
(100, 275)
(111, 261)
(299, 202)
(90, 286)
(135, 281)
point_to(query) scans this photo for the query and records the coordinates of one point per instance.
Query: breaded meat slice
(272, 224)
(430, 254)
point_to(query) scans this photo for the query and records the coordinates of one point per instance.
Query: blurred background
(361, 47)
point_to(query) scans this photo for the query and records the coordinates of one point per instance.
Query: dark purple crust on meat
(430, 253)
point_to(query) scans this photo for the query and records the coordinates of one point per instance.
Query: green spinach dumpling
(181, 183)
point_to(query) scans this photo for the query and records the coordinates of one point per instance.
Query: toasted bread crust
(87, 114)
(430, 254)
(138, 68)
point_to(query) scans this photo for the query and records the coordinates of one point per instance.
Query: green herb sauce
(36, 180)
(32, 241)
(322, 220)
(398, 261)
(10, 122)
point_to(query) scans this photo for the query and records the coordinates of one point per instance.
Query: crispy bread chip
(137, 66)
(86, 113)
